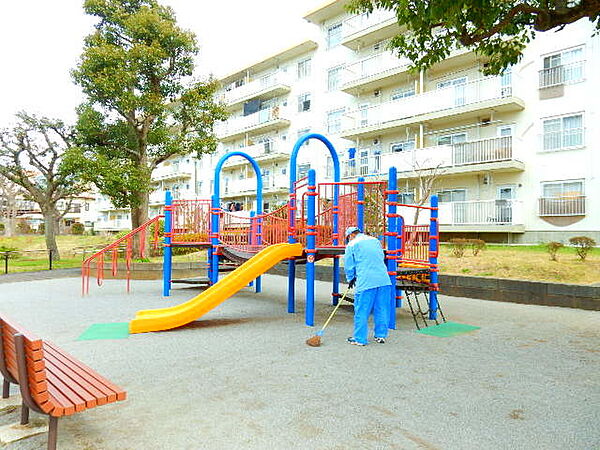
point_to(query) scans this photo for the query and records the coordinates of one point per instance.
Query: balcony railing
(432, 101)
(439, 156)
(165, 173)
(482, 151)
(361, 22)
(256, 87)
(371, 66)
(240, 124)
(481, 212)
(568, 73)
(263, 150)
(562, 206)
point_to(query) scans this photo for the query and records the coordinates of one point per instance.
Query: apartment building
(512, 157)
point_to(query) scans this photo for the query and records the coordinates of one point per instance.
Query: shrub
(23, 227)
(77, 228)
(552, 248)
(583, 245)
(13, 252)
(2, 228)
(41, 228)
(477, 246)
(458, 247)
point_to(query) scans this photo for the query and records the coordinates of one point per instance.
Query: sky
(41, 40)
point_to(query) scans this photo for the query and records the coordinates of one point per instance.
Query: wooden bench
(51, 381)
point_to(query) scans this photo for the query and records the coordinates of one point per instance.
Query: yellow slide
(176, 316)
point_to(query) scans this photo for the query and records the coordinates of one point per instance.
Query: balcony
(562, 206)
(170, 173)
(375, 71)
(559, 75)
(484, 155)
(367, 28)
(482, 215)
(263, 88)
(269, 151)
(263, 121)
(464, 101)
(247, 186)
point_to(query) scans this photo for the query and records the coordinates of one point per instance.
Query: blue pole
(292, 208)
(360, 207)
(258, 241)
(214, 232)
(311, 241)
(434, 242)
(399, 237)
(392, 200)
(167, 252)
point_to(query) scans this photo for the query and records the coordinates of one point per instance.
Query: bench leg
(52, 433)
(5, 389)
(24, 414)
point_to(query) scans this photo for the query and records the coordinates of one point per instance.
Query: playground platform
(242, 377)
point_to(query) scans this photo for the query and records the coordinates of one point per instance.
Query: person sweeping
(366, 271)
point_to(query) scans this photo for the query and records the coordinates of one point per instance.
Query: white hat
(351, 230)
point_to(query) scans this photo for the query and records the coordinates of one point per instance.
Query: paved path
(39, 275)
(243, 378)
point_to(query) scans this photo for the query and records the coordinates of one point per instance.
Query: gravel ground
(242, 377)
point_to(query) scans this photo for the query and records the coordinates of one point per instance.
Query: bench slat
(110, 394)
(59, 404)
(91, 375)
(58, 376)
(13, 328)
(100, 397)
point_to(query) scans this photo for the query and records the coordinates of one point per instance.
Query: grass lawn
(524, 263)
(513, 262)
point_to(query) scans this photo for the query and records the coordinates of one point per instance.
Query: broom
(315, 341)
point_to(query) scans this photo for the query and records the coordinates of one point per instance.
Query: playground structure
(307, 229)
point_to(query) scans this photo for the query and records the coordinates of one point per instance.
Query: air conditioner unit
(487, 178)
(377, 93)
(375, 141)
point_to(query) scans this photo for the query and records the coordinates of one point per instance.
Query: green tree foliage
(142, 104)
(497, 29)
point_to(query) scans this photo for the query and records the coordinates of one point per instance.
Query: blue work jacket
(364, 259)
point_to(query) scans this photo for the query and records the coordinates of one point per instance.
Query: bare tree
(8, 205)
(426, 178)
(31, 157)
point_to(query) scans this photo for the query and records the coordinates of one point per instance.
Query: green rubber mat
(105, 331)
(448, 329)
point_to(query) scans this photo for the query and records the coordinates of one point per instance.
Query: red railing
(274, 226)
(415, 244)
(123, 245)
(191, 222)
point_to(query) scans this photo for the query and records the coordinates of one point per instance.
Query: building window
(459, 85)
(304, 102)
(304, 68)
(506, 83)
(452, 195)
(563, 132)
(303, 170)
(334, 35)
(505, 130)
(334, 121)
(451, 139)
(562, 198)
(403, 146)
(334, 78)
(302, 133)
(562, 67)
(406, 198)
(397, 94)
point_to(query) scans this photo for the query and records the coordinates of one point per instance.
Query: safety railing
(124, 248)
(562, 206)
(415, 243)
(274, 226)
(191, 222)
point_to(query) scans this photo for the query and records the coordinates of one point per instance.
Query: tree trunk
(50, 232)
(139, 215)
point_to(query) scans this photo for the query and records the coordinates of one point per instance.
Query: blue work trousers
(377, 301)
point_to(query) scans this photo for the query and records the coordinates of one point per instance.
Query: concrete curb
(497, 289)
